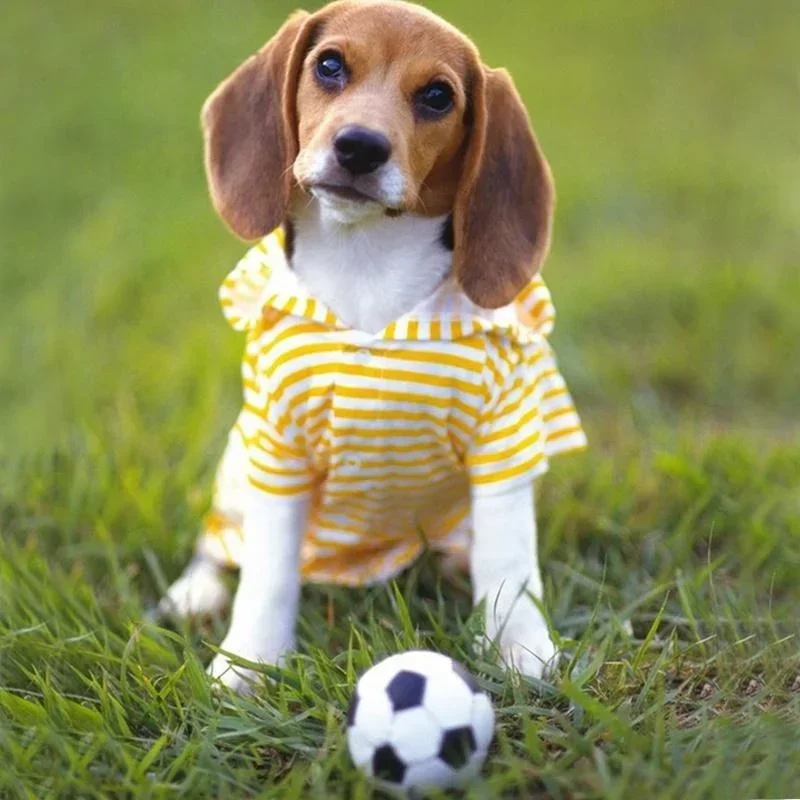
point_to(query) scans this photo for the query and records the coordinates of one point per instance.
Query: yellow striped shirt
(390, 430)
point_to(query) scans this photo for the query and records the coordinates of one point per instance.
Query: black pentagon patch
(387, 766)
(467, 677)
(405, 690)
(458, 745)
(351, 712)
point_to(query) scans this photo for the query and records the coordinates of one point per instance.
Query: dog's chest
(373, 414)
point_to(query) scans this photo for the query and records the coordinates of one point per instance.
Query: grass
(671, 548)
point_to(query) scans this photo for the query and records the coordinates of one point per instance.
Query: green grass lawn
(671, 548)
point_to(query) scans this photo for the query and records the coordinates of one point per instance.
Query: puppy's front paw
(533, 655)
(239, 678)
(199, 592)
(226, 673)
(523, 639)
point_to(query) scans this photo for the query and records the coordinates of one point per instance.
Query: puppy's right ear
(250, 131)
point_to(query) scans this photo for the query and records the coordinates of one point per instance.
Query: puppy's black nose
(360, 150)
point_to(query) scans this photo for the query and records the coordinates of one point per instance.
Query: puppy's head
(380, 107)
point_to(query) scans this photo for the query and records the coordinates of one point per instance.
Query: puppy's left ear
(503, 211)
(250, 131)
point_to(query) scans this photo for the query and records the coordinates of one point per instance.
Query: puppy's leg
(505, 573)
(201, 590)
(264, 612)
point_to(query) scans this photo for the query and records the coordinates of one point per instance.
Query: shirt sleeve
(277, 461)
(529, 415)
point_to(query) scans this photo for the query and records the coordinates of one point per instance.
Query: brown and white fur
(462, 191)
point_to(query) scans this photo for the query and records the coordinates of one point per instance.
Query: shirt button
(362, 355)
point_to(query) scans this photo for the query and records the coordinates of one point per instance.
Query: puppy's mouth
(339, 192)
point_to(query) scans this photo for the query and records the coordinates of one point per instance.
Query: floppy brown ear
(503, 211)
(250, 131)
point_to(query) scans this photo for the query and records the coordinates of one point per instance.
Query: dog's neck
(372, 272)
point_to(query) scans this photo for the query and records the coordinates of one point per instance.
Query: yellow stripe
(357, 512)
(436, 329)
(300, 352)
(365, 501)
(457, 444)
(325, 520)
(278, 448)
(497, 376)
(382, 449)
(512, 406)
(523, 296)
(550, 319)
(502, 455)
(281, 490)
(430, 357)
(355, 370)
(382, 433)
(389, 463)
(510, 472)
(560, 412)
(539, 307)
(289, 333)
(303, 397)
(551, 437)
(282, 471)
(400, 416)
(394, 480)
(474, 342)
(413, 329)
(551, 393)
(309, 413)
(514, 427)
(250, 408)
(387, 395)
(319, 426)
(388, 415)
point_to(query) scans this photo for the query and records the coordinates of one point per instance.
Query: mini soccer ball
(418, 721)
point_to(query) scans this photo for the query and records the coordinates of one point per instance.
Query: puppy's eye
(434, 99)
(330, 69)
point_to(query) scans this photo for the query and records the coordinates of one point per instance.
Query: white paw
(523, 639)
(534, 655)
(239, 679)
(200, 591)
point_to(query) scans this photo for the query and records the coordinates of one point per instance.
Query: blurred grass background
(673, 130)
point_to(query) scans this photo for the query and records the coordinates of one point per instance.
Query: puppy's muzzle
(361, 150)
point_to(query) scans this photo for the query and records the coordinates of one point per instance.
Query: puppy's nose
(360, 150)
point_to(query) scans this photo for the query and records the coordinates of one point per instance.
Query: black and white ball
(419, 720)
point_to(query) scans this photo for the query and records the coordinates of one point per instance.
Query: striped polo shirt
(390, 432)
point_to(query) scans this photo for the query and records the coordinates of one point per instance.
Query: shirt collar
(262, 283)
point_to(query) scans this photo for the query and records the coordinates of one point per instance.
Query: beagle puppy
(399, 388)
